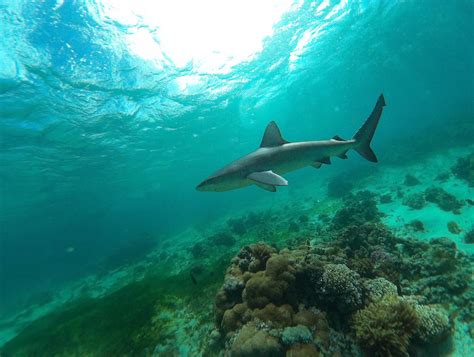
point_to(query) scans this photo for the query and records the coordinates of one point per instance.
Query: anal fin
(343, 155)
(317, 165)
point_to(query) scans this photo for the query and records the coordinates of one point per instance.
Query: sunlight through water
(211, 35)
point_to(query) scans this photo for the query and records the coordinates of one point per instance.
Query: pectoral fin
(266, 187)
(268, 178)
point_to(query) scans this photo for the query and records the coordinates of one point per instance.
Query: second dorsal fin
(272, 136)
(337, 138)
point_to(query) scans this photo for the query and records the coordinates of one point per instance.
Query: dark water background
(102, 146)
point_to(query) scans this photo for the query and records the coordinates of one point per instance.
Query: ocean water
(111, 113)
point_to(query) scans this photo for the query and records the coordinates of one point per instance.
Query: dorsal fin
(272, 136)
(337, 138)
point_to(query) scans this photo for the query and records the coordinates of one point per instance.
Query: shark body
(276, 156)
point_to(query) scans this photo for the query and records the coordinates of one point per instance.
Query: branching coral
(341, 285)
(386, 327)
(378, 288)
(434, 323)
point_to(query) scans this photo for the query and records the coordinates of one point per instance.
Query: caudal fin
(364, 135)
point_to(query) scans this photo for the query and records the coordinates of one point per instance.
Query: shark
(276, 156)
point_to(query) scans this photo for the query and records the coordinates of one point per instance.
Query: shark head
(226, 179)
(209, 185)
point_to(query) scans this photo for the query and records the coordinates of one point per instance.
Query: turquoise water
(111, 114)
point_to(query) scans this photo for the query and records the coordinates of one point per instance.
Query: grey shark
(276, 156)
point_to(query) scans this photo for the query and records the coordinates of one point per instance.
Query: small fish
(193, 279)
(470, 202)
(70, 249)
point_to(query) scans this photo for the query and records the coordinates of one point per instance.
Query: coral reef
(415, 200)
(464, 169)
(386, 327)
(378, 288)
(334, 284)
(341, 286)
(411, 180)
(295, 334)
(251, 341)
(359, 277)
(416, 225)
(434, 323)
(454, 228)
(443, 199)
(469, 237)
(358, 209)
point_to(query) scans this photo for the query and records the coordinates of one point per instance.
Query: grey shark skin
(276, 156)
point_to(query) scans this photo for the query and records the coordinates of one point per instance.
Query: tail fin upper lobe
(364, 135)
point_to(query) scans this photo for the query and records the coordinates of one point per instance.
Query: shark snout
(200, 186)
(203, 186)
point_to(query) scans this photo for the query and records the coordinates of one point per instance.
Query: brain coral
(251, 342)
(271, 285)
